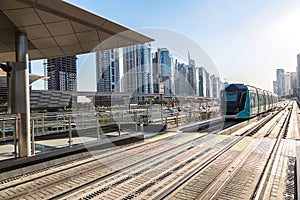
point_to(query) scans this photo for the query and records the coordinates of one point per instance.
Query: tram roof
(235, 86)
(56, 28)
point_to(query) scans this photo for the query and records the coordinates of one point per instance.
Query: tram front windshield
(234, 102)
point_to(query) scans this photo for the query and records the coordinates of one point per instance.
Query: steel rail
(258, 192)
(217, 155)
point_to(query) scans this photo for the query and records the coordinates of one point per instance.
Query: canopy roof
(55, 28)
(32, 78)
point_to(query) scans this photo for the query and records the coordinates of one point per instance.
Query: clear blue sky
(247, 40)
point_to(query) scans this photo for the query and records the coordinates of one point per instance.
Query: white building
(280, 82)
(287, 84)
(294, 84)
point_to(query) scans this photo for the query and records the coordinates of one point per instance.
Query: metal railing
(91, 124)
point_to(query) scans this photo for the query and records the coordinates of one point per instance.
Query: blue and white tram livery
(239, 101)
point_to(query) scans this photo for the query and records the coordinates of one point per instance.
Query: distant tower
(191, 75)
(181, 85)
(208, 85)
(201, 76)
(62, 73)
(137, 69)
(280, 82)
(156, 71)
(294, 83)
(275, 87)
(146, 68)
(287, 84)
(163, 71)
(214, 86)
(108, 71)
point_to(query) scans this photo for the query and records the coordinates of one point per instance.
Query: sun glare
(288, 27)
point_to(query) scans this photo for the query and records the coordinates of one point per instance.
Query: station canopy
(56, 28)
(32, 78)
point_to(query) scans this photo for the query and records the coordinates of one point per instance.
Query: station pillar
(18, 94)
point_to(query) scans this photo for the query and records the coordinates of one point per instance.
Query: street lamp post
(161, 92)
(161, 108)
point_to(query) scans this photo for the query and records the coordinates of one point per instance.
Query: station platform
(55, 151)
(293, 131)
(49, 142)
(58, 153)
(44, 146)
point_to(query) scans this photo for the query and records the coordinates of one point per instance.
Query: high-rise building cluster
(287, 83)
(145, 70)
(137, 69)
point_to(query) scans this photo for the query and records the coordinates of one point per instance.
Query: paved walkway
(7, 150)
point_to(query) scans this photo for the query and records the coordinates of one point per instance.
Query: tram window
(231, 96)
(253, 100)
(243, 98)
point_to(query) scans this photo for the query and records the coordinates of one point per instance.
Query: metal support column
(18, 94)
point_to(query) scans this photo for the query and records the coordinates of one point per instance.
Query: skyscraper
(181, 85)
(294, 82)
(146, 68)
(201, 81)
(156, 72)
(215, 86)
(162, 71)
(191, 76)
(108, 71)
(280, 82)
(287, 84)
(208, 85)
(275, 87)
(62, 73)
(137, 69)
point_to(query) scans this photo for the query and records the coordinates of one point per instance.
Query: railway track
(158, 179)
(240, 173)
(175, 166)
(92, 170)
(30, 185)
(193, 165)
